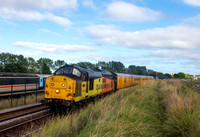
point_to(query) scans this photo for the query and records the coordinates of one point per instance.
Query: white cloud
(51, 32)
(33, 10)
(177, 54)
(33, 54)
(123, 11)
(179, 36)
(97, 57)
(192, 2)
(41, 4)
(53, 48)
(59, 20)
(89, 4)
(20, 15)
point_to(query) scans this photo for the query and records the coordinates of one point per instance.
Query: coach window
(76, 72)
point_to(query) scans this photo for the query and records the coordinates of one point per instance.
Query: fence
(20, 89)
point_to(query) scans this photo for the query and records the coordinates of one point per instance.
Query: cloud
(178, 36)
(59, 20)
(33, 54)
(192, 2)
(42, 4)
(20, 15)
(97, 57)
(177, 54)
(123, 11)
(52, 48)
(32, 10)
(48, 31)
(89, 4)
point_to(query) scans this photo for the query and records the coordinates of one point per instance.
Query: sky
(163, 35)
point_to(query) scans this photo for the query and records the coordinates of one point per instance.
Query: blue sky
(162, 35)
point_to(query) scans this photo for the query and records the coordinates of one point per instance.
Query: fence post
(36, 89)
(11, 92)
(25, 93)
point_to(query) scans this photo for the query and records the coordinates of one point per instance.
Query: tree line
(20, 64)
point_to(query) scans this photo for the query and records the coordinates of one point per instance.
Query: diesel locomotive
(71, 84)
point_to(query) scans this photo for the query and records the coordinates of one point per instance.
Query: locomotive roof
(4, 74)
(93, 73)
(108, 73)
(130, 75)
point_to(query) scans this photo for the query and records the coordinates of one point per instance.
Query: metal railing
(25, 89)
(22, 91)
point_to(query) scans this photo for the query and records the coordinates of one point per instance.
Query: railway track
(12, 119)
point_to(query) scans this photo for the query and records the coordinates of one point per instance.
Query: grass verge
(155, 108)
(182, 108)
(129, 112)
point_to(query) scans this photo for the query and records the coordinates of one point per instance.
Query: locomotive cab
(62, 86)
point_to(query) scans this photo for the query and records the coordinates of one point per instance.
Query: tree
(181, 75)
(142, 70)
(132, 69)
(46, 69)
(116, 66)
(160, 75)
(32, 65)
(151, 72)
(167, 76)
(13, 63)
(189, 76)
(22, 63)
(138, 70)
(45, 65)
(103, 65)
(176, 76)
(1, 68)
(58, 64)
(15, 68)
(87, 64)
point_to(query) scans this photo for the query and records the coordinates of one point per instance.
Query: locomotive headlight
(63, 84)
(57, 91)
(52, 84)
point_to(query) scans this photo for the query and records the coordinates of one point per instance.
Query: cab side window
(91, 84)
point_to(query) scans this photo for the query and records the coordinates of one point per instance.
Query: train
(74, 85)
(18, 81)
(21, 81)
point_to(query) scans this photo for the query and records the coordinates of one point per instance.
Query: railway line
(13, 120)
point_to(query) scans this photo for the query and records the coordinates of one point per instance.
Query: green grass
(155, 108)
(128, 112)
(182, 108)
